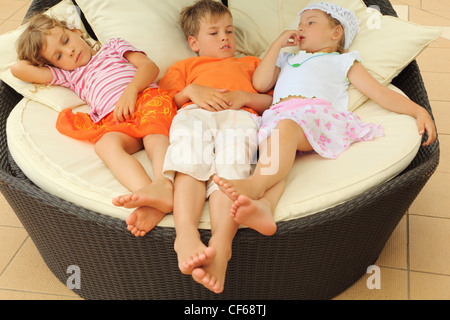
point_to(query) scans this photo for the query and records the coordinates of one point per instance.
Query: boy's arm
(208, 98)
(27, 72)
(146, 73)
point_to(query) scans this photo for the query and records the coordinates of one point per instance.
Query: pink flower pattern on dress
(329, 132)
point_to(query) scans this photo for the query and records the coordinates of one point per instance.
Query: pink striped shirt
(101, 82)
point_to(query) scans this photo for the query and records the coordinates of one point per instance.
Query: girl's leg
(276, 159)
(223, 230)
(189, 200)
(116, 149)
(156, 146)
(158, 194)
(258, 214)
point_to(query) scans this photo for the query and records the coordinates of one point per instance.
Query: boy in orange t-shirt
(214, 132)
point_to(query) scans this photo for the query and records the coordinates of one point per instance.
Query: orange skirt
(154, 113)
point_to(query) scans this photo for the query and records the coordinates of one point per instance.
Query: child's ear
(193, 43)
(338, 32)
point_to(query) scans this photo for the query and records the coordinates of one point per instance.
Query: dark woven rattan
(316, 257)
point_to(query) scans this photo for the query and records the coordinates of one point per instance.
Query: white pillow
(258, 22)
(151, 26)
(55, 97)
(386, 44)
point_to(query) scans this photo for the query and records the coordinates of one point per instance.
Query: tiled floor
(415, 263)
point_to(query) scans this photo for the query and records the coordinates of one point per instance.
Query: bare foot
(255, 214)
(143, 219)
(234, 188)
(158, 195)
(192, 253)
(212, 276)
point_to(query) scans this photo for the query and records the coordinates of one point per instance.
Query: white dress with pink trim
(320, 81)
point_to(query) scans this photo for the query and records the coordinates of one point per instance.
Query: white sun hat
(346, 17)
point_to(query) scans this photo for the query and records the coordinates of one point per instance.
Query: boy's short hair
(191, 16)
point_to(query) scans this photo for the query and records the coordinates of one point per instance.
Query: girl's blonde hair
(33, 39)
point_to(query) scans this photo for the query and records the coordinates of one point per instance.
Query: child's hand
(288, 38)
(238, 99)
(208, 98)
(125, 106)
(425, 123)
(256, 101)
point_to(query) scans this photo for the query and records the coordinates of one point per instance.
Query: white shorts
(204, 143)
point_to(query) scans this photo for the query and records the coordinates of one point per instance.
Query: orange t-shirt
(231, 74)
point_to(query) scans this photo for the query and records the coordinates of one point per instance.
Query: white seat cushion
(71, 170)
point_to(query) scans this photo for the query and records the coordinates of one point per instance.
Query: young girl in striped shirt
(127, 110)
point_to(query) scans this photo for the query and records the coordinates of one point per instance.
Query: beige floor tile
(20, 295)
(28, 272)
(437, 85)
(426, 286)
(441, 5)
(9, 25)
(444, 146)
(20, 14)
(434, 198)
(440, 13)
(11, 239)
(440, 43)
(427, 18)
(429, 240)
(394, 254)
(7, 216)
(441, 112)
(434, 60)
(413, 3)
(9, 7)
(394, 286)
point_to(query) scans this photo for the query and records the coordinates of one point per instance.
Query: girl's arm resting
(146, 73)
(27, 72)
(391, 100)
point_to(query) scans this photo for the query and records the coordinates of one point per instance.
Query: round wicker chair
(316, 257)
